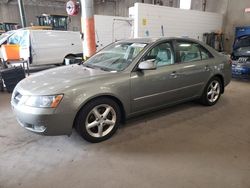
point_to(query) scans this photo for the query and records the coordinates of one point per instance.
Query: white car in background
(45, 47)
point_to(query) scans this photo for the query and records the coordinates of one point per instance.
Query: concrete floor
(185, 146)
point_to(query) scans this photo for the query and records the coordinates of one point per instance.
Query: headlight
(44, 101)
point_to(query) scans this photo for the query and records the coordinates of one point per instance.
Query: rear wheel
(70, 57)
(98, 120)
(212, 92)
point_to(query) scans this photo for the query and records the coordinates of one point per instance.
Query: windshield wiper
(116, 61)
(98, 67)
(88, 65)
(105, 69)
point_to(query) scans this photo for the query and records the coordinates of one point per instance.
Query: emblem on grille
(242, 59)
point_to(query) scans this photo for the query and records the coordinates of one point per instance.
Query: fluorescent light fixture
(247, 10)
(185, 4)
(185, 45)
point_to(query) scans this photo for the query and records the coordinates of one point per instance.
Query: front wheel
(212, 92)
(68, 59)
(98, 120)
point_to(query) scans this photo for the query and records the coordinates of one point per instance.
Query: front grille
(243, 59)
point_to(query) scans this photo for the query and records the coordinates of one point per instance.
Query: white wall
(175, 22)
(112, 28)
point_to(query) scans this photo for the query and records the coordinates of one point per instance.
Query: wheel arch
(110, 96)
(222, 81)
(68, 55)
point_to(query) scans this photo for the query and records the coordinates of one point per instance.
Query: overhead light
(185, 4)
(247, 10)
(185, 45)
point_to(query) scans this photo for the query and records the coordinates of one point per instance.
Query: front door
(153, 88)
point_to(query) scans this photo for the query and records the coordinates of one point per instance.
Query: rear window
(190, 51)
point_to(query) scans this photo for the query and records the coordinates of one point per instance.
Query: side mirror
(147, 65)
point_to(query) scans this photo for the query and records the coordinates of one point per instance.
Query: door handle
(174, 74)
(207, 68)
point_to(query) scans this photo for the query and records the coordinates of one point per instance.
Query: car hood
(242, 51)
(57, 80)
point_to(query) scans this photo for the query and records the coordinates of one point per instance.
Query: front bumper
(45, 121)
(240, 71)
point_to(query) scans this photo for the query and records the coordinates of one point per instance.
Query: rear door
(50, 47)
(42, 48)
(75, 43)
(196, 64)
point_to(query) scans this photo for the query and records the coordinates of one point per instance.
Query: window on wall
(185, 4)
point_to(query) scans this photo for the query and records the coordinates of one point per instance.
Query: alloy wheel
(213, 91)
(101, 120)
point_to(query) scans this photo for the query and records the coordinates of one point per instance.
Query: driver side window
(162, 55)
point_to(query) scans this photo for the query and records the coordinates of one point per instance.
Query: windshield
(115, 57)
(242, 42)
(5, 36)
(242, 46)
(244, 51)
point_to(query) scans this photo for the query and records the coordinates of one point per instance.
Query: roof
(154, 39)
(140, 40)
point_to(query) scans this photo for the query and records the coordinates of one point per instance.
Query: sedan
(125, 79)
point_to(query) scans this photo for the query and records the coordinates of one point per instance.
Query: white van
(45, 47)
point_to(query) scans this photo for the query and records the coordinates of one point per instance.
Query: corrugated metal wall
(10, 13)
(120, 7)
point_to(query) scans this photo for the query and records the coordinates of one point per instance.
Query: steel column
(88, 28)
(22, 13)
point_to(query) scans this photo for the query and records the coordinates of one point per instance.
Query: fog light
(39, 128)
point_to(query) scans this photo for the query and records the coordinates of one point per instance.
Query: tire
(98, 120)
(212, 92)
(1, 85)
(68, 57)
